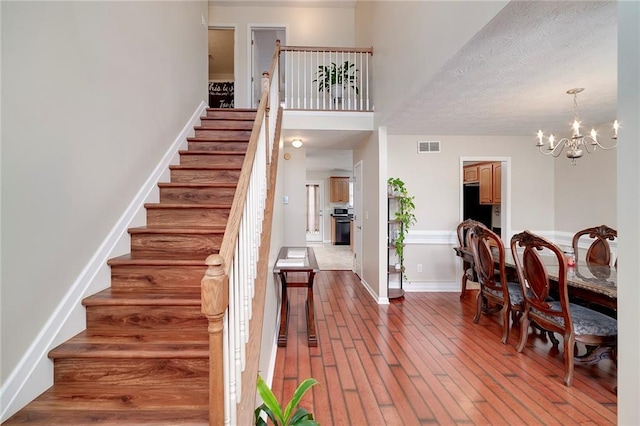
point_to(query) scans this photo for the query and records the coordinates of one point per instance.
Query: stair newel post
(215, 301)
(265, 92)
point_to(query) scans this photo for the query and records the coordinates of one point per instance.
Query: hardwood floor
(422, 360)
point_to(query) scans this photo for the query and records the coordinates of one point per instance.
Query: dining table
(592, 284)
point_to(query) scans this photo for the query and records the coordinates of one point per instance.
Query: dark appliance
(342, 220)
(472, 209)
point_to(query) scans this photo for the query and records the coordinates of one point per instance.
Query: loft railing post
(215, 300)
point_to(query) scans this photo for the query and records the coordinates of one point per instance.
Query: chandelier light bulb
(296, 143)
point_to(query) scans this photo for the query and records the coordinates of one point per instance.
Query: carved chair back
(599, 252)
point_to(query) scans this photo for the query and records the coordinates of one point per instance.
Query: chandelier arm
(605, 147)
(585, 143)
(557, 150)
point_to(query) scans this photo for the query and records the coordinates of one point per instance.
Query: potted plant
(403, 215)
(334, 78)
(292, 414)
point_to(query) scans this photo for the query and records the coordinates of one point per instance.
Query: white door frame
(357, 218)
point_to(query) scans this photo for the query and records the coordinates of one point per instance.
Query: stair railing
(235, 280)
(326, 78)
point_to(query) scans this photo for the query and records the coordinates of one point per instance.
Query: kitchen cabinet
(339, 189)
(470, 174)
(490, 175)
(497, 183)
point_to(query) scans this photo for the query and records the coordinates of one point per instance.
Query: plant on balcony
(404, 215)
(292, 414)
(334, 78)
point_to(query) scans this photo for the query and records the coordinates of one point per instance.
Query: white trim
(374, 296)
(431, 237)
(17, 389)
(432, 286)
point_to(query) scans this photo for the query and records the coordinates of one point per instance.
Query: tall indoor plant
(333, 78)
(404, 213)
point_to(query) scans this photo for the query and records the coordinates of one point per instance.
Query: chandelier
(577, 144)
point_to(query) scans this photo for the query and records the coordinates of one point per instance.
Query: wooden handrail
(327, 49)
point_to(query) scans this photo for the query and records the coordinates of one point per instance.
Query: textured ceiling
(512, 77)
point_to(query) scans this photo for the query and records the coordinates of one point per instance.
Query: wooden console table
(297, 260)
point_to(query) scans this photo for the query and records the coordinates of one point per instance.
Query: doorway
(263, 45)
(314, 214)
(221, 67)
(485, 192)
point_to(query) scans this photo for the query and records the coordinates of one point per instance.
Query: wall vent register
(425, 147)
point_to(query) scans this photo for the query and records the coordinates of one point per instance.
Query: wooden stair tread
(197, 185)
(158, 260)
(147, 344)
(216, 139)
(47, 416)
(144, 297)
(87, 396)
(204, 167)
(205, 230)
(186, 206)
(209, 152)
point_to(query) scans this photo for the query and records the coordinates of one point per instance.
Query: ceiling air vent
(427, 147)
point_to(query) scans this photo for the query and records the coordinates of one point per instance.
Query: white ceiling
(511, 78)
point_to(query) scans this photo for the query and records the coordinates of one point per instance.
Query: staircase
(144, 356)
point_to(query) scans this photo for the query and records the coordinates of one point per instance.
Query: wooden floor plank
(421, 360)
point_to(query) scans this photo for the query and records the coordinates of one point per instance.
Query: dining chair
(574, 322)
(599, 252)
(494, 287)
(468, 272)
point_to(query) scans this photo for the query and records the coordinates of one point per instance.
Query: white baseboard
(34, 372)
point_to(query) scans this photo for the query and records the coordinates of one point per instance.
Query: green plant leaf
(297, 396)
(302, 417)
(259, 421)
(273, 409)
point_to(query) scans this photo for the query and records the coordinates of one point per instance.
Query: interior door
(357, 219)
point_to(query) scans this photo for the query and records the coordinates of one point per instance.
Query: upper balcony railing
(326, 78)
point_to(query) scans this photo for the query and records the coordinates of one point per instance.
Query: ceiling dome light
(296, 143)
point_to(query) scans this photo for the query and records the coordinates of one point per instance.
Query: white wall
(399, 29)
(586, 194)
(435, 181)
(305, 26)
(294, 176)
(628, 213)
(93, 95)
